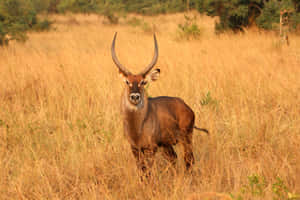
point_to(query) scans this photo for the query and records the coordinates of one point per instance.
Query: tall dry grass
(61, 133)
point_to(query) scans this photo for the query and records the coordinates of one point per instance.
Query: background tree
(16, 18)
(239, 14)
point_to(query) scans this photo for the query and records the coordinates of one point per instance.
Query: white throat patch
(133, 107)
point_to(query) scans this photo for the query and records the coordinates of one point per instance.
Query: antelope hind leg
(170, 154)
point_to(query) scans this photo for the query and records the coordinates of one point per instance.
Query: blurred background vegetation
(20, 16)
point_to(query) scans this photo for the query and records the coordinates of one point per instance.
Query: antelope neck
(134, 117)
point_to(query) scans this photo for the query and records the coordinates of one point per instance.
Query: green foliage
(237, 14)
(137, 22)
(78, 6)
(295, 21)
(279, 189)
(53, 4)
(208, 100)
(189, 29)
(233, 14)
(154, 6)
(112, 10)
(42, 25)
(134, 21)
(269, 18)
(109, 8)
(281, 192)
(41, 5)
(256, 188)
(16, 18)
(256, 185)
(19, 16)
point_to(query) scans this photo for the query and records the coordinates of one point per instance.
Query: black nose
(135, 96)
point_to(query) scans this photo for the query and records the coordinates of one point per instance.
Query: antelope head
(135, 83)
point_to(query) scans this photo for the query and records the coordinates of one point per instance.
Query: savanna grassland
(61, 134)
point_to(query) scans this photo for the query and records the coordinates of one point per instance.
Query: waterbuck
(150, 123)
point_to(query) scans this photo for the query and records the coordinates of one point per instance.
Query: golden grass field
(61, 134)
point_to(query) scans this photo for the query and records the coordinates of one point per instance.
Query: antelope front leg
(144, 159)
(139, 158)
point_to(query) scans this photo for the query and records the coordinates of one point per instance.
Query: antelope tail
(202, 129)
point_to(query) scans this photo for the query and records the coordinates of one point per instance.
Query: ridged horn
(115, 59)
(154, 59)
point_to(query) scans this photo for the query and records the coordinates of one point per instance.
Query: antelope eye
(143, 82)
(127, 82)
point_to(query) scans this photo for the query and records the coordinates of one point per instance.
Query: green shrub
(78, 6)
(16, 18)
(153, 7)
(237, 14)
(295, 22)
(207, 99)
(53, 6)
(189, 29)
(279, 189)
(257, 186)
(233, 15)
(42, 25)
(41, 5)
(112, 11)
(136, 22)
(269, 18)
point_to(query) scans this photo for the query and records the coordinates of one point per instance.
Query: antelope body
(150, 123)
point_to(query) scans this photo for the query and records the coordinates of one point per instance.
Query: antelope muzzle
(135, 98)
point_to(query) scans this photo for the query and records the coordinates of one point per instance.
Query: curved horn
(115, 59)
(154, 59)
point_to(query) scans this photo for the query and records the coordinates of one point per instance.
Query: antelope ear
(153, 76)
